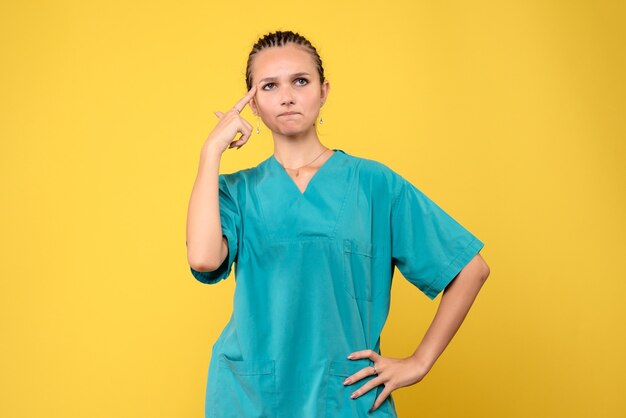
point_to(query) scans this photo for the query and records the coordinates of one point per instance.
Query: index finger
(243, 101)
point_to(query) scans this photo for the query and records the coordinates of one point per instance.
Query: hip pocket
(338, 401)
(366, 273)
(246, 388)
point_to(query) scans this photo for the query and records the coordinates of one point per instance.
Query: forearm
(455, 303)
(204, 230)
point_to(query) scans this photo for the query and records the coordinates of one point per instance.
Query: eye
(268, 84)
(305, 81)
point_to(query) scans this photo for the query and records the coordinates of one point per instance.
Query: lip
(289, 113)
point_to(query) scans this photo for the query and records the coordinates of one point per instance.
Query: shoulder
(245, 175)
(235, 178)
(379, 173)
(236, 182)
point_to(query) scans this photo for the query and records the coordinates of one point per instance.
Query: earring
(258, 124)
(321, 118)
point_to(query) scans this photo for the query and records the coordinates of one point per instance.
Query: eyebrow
(275, 78)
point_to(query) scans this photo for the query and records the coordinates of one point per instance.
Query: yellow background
(509, 115)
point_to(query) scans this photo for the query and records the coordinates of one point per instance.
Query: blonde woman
(315, 235)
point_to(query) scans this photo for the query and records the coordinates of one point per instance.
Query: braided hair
(282, 38)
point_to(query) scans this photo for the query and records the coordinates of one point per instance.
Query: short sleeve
(427, 245)
(230, 220)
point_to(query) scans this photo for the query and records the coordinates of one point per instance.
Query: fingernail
(351, 356)
(353, 396)
(345, 382)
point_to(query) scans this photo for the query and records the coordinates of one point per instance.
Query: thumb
(218, 114)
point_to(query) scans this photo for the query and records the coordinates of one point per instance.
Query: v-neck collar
(295, 187)
(290, 215)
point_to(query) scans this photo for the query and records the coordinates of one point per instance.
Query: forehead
(282, 60)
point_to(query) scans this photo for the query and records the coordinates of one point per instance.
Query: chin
(291, 130)
(290, 133)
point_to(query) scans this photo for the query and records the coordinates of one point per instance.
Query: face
(289, 95)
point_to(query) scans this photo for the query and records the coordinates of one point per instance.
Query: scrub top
(313, 275)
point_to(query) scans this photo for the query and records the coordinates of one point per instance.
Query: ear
(325, 90)
(253, 106)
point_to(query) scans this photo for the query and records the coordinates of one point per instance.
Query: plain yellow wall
(509, 115)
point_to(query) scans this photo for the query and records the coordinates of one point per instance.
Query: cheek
(262, 104)
(314, 99)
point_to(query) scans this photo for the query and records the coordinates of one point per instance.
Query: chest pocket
(365, 270)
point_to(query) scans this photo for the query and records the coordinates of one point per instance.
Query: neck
(297, 150)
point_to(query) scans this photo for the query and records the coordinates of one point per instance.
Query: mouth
(289, 113)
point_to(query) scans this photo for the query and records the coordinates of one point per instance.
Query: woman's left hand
(392, 372)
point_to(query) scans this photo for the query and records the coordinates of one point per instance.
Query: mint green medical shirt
(313, 275)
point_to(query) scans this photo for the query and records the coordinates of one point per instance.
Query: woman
(315, 234)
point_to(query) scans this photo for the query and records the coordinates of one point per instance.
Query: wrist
(211, 151)
(210, 159)
(420, 363)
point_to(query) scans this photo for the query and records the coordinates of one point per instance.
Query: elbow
(203, 265)
(485, 271)
(479, 268)
(201, 259)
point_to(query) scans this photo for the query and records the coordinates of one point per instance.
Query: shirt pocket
(338, 401)
(247, 388)
(364, 270)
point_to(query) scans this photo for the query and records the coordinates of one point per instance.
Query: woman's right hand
(230, 123)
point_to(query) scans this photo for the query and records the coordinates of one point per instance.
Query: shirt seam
(396, 199)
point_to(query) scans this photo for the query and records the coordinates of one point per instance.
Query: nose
(286, 97)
